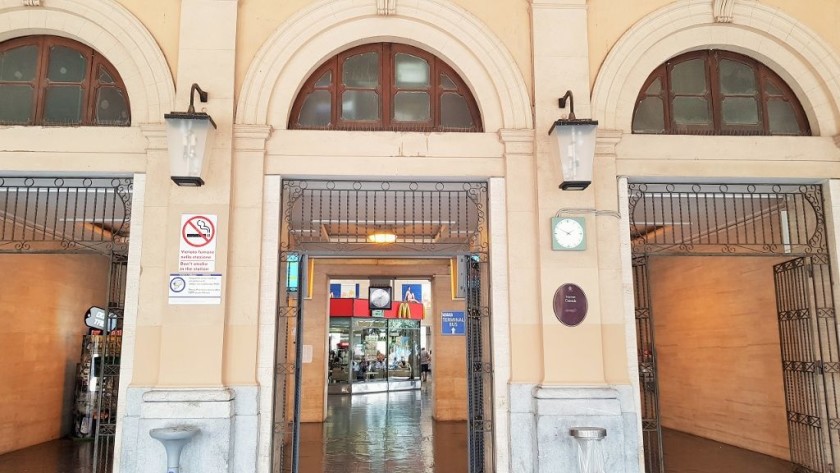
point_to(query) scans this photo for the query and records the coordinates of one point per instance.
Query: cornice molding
(250, 137)
(517, 141)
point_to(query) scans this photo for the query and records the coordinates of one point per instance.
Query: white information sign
(195, 288)
(198, 243)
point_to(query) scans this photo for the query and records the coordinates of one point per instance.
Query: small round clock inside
(379, 298)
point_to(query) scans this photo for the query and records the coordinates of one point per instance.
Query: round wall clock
(379, 298)
(568, 233)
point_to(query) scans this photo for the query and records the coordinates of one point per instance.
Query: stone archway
(767, 34)
(327, 27)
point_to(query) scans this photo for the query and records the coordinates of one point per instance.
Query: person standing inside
(425, 362)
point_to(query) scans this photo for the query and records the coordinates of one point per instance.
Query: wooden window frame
(89, 85)
(387, 90)
(712, 60)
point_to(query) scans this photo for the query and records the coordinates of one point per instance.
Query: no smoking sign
(198, 243)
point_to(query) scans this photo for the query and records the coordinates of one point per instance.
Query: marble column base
(227, 419)
(541, 417)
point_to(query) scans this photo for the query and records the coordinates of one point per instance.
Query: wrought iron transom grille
(748, 219)
(425, 217)
(61, 214)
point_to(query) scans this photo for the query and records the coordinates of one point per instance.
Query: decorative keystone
(386, 7)
(32, 3)
(723, 10)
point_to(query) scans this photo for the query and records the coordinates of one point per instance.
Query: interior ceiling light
(382, 237)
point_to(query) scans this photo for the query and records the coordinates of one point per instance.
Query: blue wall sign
(453, 323)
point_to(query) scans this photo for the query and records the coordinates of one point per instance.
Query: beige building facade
(213, 365)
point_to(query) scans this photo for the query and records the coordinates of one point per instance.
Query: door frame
(500, 320)
(831, 201)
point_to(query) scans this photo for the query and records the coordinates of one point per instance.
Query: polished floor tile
(685, 453)
(57, 456)
(383, 433)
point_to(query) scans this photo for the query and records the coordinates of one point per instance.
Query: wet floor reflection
(685, 453)
(383, 433)
(57, 456)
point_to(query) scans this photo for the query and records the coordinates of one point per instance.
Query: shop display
(87, 409)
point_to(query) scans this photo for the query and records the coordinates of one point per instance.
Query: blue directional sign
(453, 323)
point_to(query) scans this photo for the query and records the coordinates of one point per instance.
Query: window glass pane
(691, 111)
(447, 83)
(771, 88)
(740, 111)
(411, 107)
(359, 105)
(361, 70)
(454, 112)
(317, 109)
(411, 71)
(782, 118)
(66, 65)
(736, 78)
(111, 107)
(689, 77)
(15, 104)
(655, 88)
(63, 106)
(19, 64)
(104, 77)
(650, 116)
(325, 80)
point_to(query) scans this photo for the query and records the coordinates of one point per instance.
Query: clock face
(568, 234)
(380, 298)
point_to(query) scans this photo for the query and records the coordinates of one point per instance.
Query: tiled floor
(394, 432)
(383, 433)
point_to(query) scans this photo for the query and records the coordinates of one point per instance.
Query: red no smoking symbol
(198, 231)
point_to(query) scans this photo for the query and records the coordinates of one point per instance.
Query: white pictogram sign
(198, 243)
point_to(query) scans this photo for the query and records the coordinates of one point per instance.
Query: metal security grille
(338, 218)
(60, 214)
(420, 217)
(810, 361)
(287, 369)
(676, 219)
(479, 365)
(648, 383)
(726, 219)
(106, 427)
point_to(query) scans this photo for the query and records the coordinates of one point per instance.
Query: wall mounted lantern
(574, 140)
(190, 139)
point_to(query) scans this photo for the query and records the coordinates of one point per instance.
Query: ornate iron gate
(287, 366)
(749, 220)
(428, 219)
(106, 426)
(810, 361)
(479, 366)
(648, 383)
(63, 215)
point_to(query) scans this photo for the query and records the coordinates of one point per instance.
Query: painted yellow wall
(44, 298)
(717, 343)
(162, 18)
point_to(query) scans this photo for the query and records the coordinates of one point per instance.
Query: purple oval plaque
(570, 304)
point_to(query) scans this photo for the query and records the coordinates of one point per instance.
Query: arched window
(48, 80)
(717, 93)
(385, 86)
